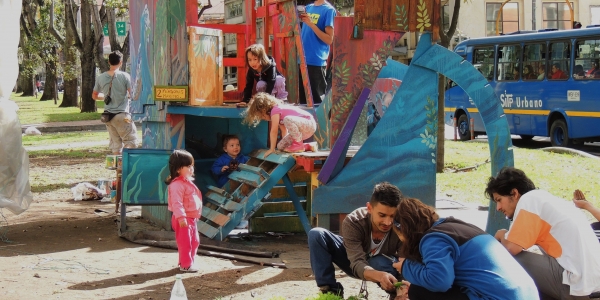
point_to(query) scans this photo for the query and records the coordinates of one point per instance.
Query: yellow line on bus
(594, 114)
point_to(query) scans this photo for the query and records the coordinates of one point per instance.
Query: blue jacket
(224, 160)
(459, 254)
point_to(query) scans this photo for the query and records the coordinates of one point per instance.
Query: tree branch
(447, 36)
(209, 5)
(111, 18)
(51, 28)
(70, 17)
(25, 28)
(98, 39)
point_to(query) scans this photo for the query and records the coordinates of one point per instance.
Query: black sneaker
(337, 290)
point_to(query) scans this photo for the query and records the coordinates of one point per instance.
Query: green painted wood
(275, 207)
(275, 224)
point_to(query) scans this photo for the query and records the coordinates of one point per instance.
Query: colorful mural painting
(158, 57)
(289, 53)
(400, 150)
(355, 70)
(397, 104)
(398, 15)
(206, 66)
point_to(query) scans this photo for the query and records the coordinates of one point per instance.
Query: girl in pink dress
(296, 124)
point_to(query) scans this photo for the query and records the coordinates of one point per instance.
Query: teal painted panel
(477, 87)
(400, 150)
(144, 173)
(158, 214)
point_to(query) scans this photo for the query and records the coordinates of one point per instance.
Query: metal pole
(472, 126)
(455, 129)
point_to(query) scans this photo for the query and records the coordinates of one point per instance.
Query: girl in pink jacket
(185, 201)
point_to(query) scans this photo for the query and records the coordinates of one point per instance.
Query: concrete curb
(67, 126)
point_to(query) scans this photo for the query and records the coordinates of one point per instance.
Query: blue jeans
(327, 248)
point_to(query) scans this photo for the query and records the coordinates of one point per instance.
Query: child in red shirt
(185, 201)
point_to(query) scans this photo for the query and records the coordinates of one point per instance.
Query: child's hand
(398, 265)
(269, 152)
(579, 199)
(182, 222)
(224, 168)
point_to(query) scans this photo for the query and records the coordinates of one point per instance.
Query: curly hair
(260, 104)
(415, 219)
(509, 178)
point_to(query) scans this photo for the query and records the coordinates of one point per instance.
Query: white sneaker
(190, 269)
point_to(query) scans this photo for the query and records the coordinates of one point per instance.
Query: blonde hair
(260, 104)
(258, 50)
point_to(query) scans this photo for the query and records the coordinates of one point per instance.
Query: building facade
(478, 18)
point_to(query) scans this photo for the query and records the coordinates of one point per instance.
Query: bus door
(511, 88)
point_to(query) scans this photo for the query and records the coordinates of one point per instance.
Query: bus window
(560, 54)
(484, 59)
(534, 56)
(509, 58)
(587, 55)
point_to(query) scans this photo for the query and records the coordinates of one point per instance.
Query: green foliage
(424, 21)
(176, 14)
(401, 17)
(429, 137)
(38, 46)
(121, 6)
(328, 296)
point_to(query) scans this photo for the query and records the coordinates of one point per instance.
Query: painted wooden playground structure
(377, 123)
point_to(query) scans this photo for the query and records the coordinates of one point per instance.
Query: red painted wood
(191, 12)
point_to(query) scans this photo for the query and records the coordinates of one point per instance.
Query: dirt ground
(65, 249)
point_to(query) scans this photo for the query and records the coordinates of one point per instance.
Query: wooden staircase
(241, 196)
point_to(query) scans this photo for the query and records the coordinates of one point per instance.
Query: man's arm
(512, 248)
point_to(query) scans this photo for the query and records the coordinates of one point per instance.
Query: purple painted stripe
(335, 161)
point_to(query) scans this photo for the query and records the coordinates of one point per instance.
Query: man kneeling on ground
(569, 265)
(365, 250)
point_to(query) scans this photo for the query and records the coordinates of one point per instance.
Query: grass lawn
(559, 174)
(33, 111)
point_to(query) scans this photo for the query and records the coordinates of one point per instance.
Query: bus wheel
(463, 128)
(559, 135)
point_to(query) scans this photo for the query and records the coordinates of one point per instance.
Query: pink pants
(298, 130)
(188, 241)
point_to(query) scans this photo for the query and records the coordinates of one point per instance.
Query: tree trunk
(70, 79)
(28, 85)
(50, 88)
(88, 67)
(441, 129)
(445, 38)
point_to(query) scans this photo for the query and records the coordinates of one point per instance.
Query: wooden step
(289, 223)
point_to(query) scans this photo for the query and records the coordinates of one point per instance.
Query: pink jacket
(185, 200)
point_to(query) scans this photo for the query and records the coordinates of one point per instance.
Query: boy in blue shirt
(317, 36)
(229, 161)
